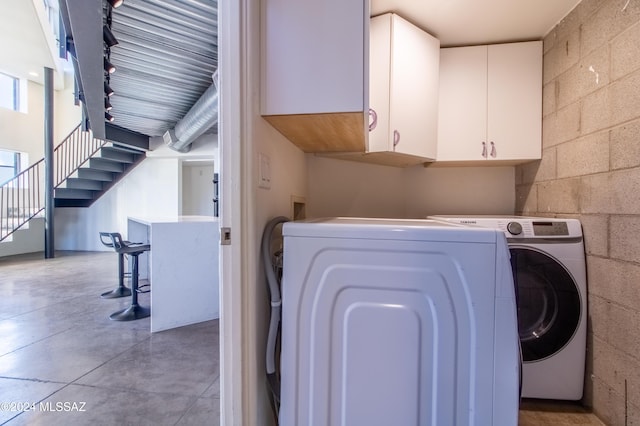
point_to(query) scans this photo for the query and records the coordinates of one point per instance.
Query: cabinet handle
(493, 150)
(396, 139)
(484, 149)
(373, 119)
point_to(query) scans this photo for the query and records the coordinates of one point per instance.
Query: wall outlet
(264, 171)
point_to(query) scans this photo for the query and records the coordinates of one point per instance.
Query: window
(9, 92)
(9, 165)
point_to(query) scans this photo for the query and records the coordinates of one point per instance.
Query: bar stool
(122, 290)
(134, 311)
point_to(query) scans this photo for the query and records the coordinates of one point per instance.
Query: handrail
(21, 197)
(75, 150)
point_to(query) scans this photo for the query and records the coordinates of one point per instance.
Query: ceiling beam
(83, 23)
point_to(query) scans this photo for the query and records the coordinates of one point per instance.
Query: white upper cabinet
(490, 103)
(403, 89)
(315, 72)
(325, 64)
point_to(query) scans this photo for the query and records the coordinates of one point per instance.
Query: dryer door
(548, 303)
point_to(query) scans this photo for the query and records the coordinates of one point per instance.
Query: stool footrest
(131, 313)
(117, 292)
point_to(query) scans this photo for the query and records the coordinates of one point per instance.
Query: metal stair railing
(22, 197)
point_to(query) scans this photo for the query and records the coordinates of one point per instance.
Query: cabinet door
(314, 81)
(462, 104)
(379, 74)
(403, 87)
(413, 123)
(515, 101)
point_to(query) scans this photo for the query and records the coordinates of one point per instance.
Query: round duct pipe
(200, 118)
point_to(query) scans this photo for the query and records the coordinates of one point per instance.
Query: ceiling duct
(200, 118)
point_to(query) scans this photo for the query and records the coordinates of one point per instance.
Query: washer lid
(390, 229)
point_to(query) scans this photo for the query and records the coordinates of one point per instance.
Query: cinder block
(584, 156)
(538, 171)
(596, 111)
(526, 173)
(564, 54)
(625, 146)
(588, 75)
(614, 280)
(625, 99)
(526, 199)
(613, 192)
(596, 236)
(624, 243)
(586, 8)
(549, 98)
(549, 41)
(598, 312)
(612, 105)
(568, 26)
(559, 196)
(614, 367)
(607, 403)
(614, 17)
(622, 62)
(562, 126)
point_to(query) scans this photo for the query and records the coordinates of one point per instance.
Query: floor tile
(77, 405)
(22, 393)
(205, 411)
(182, 360)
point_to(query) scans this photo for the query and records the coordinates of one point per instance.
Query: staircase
(84, 168)
(102, 170)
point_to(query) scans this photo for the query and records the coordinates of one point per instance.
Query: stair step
(115, 154)
(82, 194)
(93, 174)
(78, 183)
(105, 165)
(72, 202)
(127, 149)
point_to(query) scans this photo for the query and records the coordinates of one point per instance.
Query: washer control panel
(545, 228)
(521, 227)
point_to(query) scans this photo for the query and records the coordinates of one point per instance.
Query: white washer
(548, 260)
(407, 322)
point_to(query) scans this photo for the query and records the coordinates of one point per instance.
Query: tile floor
(57, 345)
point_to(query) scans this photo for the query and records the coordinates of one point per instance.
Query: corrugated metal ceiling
(165, 58)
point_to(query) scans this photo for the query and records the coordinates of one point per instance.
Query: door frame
(234, 404)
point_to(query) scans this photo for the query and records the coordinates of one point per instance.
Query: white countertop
(148, 220)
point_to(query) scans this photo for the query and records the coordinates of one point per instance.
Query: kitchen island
(182, 267)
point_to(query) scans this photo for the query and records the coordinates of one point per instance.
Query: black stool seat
(134, 311)
(122, 290)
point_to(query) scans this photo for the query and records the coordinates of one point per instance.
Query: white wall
(152, 188)
(25, 131)
(459, 190)
(347, 188)
(288, 178)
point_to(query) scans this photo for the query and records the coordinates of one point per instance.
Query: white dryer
(397, 322)
(548, 262)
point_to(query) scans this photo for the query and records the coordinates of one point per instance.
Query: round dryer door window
(548, 303)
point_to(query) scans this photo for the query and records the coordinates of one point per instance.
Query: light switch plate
(264, 171)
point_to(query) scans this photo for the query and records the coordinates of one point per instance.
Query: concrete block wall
(590, 170)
